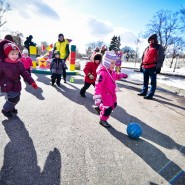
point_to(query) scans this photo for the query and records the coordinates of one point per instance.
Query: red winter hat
(10, 47)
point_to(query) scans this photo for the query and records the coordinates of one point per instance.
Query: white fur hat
(25, 51)
(108, 57)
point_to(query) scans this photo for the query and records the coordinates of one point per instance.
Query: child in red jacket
(90, 73)
(26, 60)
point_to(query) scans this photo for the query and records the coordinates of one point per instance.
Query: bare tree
(175, 49)
(182, 13)
(89, 51)
(166, 25)
(93, 45)
(99, 44)
(4, 8)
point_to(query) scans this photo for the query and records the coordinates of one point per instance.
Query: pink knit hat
(10, 47)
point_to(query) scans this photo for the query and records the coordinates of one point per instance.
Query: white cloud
(98, 27)
(27, 9)
(34, 19)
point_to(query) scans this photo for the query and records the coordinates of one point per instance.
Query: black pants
(85, 87)
(55, 77)
(64, 74)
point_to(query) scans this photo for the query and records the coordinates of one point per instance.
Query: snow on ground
(171, 79)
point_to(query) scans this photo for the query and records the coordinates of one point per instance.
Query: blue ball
(134, 130)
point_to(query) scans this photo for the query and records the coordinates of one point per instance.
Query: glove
(34, 85)
(91, 76)
(125, 76)
(97, 99)
(158, 70)
(141, 69)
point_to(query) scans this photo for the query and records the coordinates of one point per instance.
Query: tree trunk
(171, 63)
(173, 56)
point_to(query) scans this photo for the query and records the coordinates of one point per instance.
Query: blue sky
(132, 14)
(85, 21)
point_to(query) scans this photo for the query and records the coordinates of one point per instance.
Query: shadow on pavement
(44, 78)
(148, 152)
(149, 133)
(155, 158)
(35, 92)
(74, 95)
(20, 159)
(162, 100)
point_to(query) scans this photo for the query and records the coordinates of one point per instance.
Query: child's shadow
(155, 158)
(149, 133)
(74, 95)
(44, 78)
(35, 92)
(20, 159)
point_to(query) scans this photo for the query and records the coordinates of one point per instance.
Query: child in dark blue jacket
(57, 66)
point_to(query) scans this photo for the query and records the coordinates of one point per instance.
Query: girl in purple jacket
(11, 69)
(105, 87)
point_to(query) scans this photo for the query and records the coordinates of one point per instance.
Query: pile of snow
(174, 79)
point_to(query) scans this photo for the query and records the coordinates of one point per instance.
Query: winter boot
(14, 111)
(7, 114)
(104, 124)
(97, 109)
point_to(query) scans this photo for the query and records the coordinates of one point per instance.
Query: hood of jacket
(101, 67)
(154, 36)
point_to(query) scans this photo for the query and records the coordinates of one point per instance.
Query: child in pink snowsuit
(26, 60)
(105, 87)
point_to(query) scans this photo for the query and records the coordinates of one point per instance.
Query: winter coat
(27, 62)
(153, 56)
(106, 86)
(10, 76)
(57, 66)
(90, 68)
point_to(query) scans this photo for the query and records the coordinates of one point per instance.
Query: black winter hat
(57, 52)
(60, 34)
(154, 36)
(98, 56)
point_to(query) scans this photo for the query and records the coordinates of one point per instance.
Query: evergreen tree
(115, 44)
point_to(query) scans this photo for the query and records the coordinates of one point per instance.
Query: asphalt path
(56, 138)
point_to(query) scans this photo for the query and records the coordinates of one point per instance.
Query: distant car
(85, 58)
(77, 64)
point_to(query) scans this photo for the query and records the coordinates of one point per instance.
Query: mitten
(125, 76)
(158, 70)
(91, 76)
(34, 85)
(97, 99)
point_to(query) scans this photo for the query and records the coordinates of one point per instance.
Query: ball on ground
(134, 130)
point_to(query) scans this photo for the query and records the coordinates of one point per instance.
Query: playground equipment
(43, 62)
(33, 53)
(72, 58)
